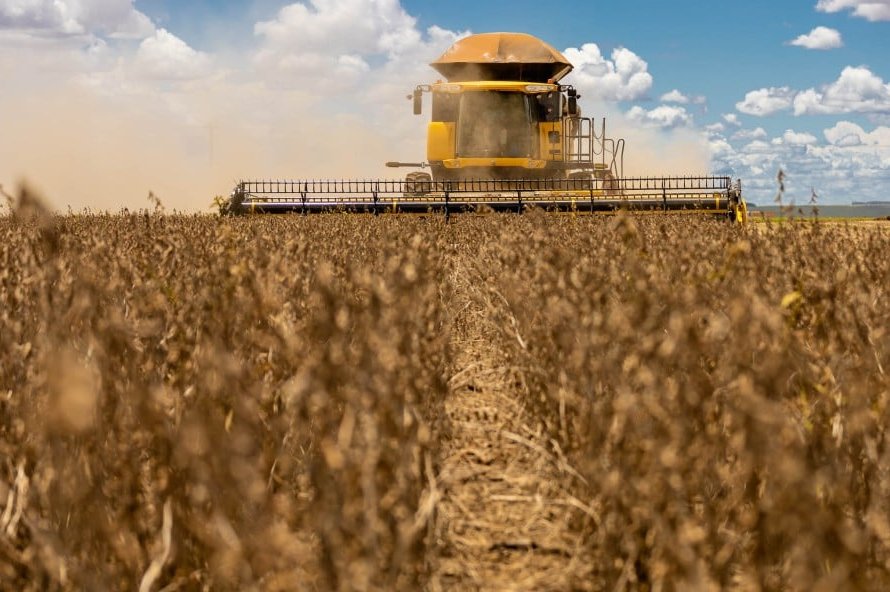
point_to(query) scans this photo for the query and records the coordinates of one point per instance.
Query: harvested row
(506, 512)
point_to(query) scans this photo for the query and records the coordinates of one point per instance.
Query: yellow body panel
(548, 150)
(483, 85)
(741, 212)
(440, 141)
(526, 163)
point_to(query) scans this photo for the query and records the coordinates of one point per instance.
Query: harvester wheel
(418, 184)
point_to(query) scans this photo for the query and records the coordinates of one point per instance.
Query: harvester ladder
(587, 146)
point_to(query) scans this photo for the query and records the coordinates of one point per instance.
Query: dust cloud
(658, 152)
(104, 149)
(85, 148)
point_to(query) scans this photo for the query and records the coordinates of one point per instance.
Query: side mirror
(573, 102)
(573, 106)
(418, 101)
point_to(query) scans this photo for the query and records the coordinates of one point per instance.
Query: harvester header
(504, 133)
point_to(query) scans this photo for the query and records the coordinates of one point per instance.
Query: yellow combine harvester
(504, 135)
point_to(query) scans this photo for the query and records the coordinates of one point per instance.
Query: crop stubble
(348, 402)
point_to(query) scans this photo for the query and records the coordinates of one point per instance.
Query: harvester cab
(513, 130)
(504, 134)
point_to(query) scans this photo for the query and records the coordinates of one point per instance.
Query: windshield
(495, 124)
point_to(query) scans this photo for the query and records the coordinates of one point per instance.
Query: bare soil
(505, 518)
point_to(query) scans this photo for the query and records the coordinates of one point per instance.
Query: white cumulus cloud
(873, 10)
(338, 27)
(857, 90)
(845, 133)
(625, 77)
(793, 138)
(719, 147)
(675, 96)
(664, 116)
(851, 163)
(114, 18)
(766, 101)
(165, 56)
(754, 134)
(334, 42)
(757, 147)
(819, 38)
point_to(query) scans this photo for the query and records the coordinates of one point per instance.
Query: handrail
(586, 143)
(714, 194)
(306, 189)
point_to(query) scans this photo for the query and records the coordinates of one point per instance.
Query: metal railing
(394, 186)
(668, 193)
(583, 144)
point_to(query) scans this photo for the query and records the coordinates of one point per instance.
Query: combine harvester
(504, 135)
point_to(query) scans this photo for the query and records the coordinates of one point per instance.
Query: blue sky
(717, 49)
(749, 99)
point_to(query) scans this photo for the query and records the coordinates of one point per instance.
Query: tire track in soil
(504, 519)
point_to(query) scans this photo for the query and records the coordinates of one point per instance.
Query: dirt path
(504, 518)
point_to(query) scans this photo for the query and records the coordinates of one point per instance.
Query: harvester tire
(418, 184)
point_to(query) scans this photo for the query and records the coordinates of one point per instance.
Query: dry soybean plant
(193, 402)
(723, 391)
